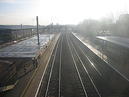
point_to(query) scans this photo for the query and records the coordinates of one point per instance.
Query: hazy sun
(67, 11)
(74, 11)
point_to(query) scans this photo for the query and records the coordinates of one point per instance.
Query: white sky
(59, 11)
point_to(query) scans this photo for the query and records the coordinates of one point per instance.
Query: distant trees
(121, 27)
(89, 28)
(106, 26)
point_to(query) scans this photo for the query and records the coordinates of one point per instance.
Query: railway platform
(69, 68)
(76, 71)
(24, 57)
(116, 40)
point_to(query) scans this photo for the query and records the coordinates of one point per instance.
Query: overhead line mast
(37, 29)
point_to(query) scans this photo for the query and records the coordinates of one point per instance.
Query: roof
(124, 42)
(25, 49)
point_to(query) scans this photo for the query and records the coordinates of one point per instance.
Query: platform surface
(124, 42)
(26, 48)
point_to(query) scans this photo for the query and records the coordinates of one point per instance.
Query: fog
(59, 11)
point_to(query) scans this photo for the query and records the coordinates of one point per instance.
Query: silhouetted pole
(21, 26)
(37, 29)
(22, 31)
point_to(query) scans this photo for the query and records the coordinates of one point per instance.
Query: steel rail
(90, 61)
(59, 95)
(77, 69)
(85, 68)
(40, 83)
(108, 64)
(51, 71)
(39, 86)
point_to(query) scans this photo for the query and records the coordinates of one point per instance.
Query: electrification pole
(21, 26)
(37, 29)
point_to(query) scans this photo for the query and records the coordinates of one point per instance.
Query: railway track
(74, 71)
(108, 81)
(46, 80)
(61, 78)
(89, 86)
(71, 82)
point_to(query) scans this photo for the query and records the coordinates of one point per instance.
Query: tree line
(106, 27)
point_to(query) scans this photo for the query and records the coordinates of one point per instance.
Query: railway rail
(108, 81)
(75, 71)
(89, 85)
(43, 89)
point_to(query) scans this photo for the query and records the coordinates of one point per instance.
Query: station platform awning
(121, 41)
(28, 48)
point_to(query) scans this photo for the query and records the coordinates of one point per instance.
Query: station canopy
(121, 41)
(28, 48)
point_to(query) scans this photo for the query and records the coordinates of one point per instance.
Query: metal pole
(21, 26)
(37, 30)
(22, 31)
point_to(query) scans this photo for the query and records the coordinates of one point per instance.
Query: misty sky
(59, 11)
